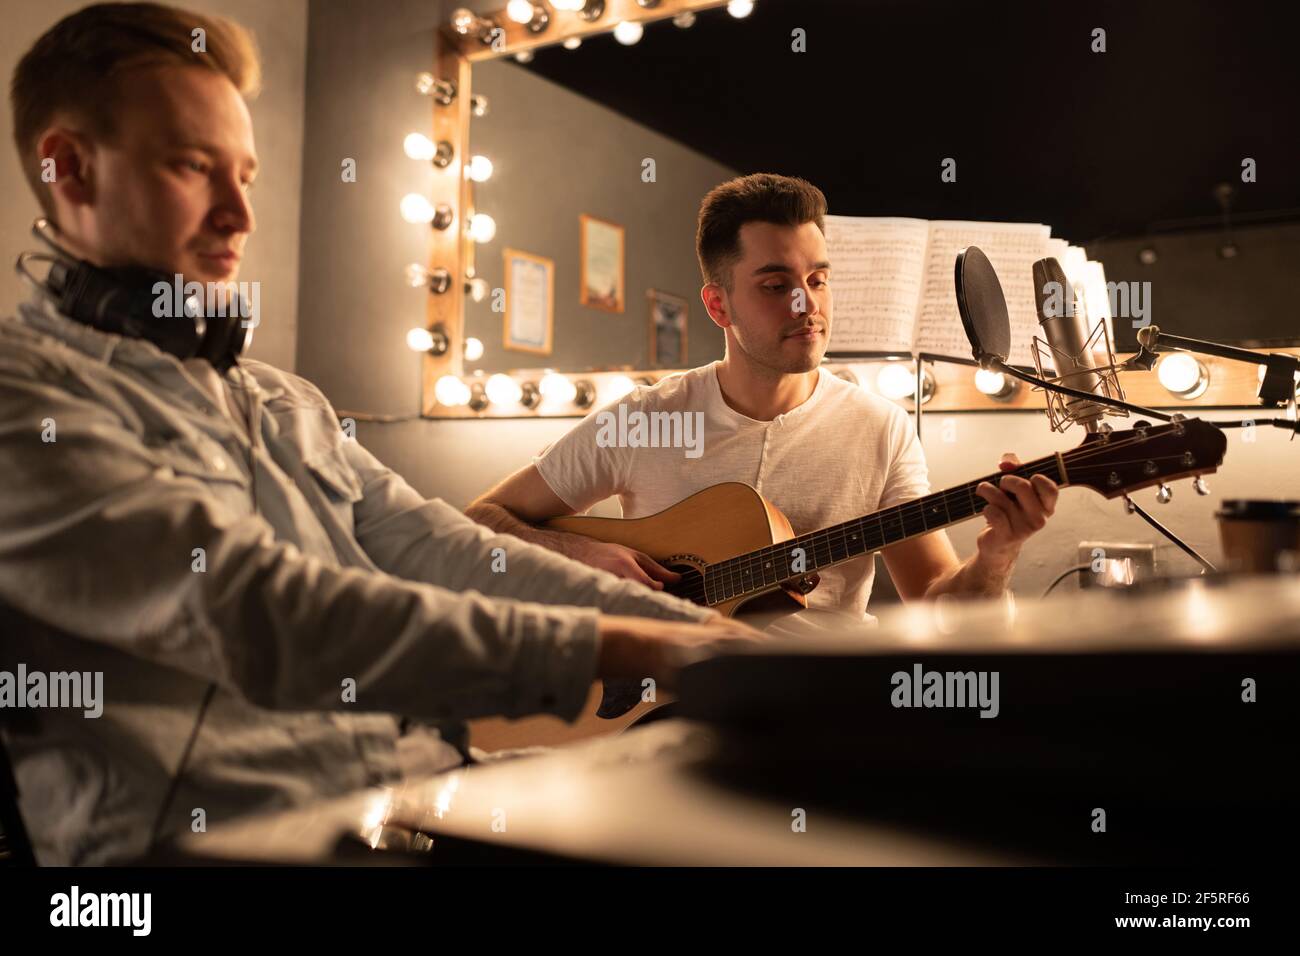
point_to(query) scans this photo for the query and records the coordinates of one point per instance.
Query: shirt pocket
(336, 476)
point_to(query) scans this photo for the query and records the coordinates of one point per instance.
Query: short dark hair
(73, 67)
(760, 197)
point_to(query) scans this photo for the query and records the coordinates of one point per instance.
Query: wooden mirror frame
(451, 248)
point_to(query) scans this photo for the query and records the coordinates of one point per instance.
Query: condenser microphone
(1067, 333)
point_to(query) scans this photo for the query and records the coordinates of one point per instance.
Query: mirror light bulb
(473, 349)
(417, 275)
(463, 20)
(990, 382)
(520, 11)
(896, 381)
(557, 388)
(450, 390)
(479, 169)
(417, 209)
(740, 8)
(482, 227)
(619, 386)
(628, 32)
(418, 146)
(1182, 374)
(419, 340)
(503, 390)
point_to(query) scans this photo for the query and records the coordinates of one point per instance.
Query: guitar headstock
(1124, 461)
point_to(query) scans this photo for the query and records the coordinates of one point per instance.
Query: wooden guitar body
(712, 525)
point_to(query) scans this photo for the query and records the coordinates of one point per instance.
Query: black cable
(1134, 506)
(180, 767)
(1066, 574)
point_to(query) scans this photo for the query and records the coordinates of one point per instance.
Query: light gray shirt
(346, 627)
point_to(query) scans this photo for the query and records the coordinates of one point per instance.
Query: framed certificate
(530, 302)
(668, 314)
(601, 256)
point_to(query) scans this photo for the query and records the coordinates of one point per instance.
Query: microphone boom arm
(1280, 369)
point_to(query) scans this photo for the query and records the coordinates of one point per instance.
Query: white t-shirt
(842, 454)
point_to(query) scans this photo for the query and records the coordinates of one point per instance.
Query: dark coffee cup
(1260, 536)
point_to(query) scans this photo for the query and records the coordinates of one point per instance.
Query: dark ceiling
(1043, 129)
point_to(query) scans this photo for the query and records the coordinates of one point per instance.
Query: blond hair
(73, 68)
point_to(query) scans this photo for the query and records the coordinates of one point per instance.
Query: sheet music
(1012, 248)
(877, 265)
(1096, 298)
(1059, 250)
(1075, 267)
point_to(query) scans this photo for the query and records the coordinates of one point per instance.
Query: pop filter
(983, 307)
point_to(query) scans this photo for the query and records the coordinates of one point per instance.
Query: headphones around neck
(124, 301)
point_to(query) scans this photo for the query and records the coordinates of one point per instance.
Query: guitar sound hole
(691, 585)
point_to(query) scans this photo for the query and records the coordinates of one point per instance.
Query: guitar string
(735, 569)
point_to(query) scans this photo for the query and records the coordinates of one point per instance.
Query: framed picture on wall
(668, 314)
(601, 255)
(530, 302)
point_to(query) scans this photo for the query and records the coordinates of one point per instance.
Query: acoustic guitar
(737, 552)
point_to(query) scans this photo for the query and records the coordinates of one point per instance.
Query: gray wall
(557, 154)
(361, 102)
(272, 251)
(1248, 299)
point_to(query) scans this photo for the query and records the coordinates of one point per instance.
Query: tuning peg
(1164, 494)
(1201, 487)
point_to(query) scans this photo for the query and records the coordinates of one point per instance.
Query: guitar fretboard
(763, 569)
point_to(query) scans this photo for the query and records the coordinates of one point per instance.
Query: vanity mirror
(572, 142)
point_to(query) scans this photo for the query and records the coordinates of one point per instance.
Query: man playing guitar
(819, 448)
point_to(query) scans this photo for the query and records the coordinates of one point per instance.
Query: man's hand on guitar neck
(1017, 508)
(639, 647)
(927, 566)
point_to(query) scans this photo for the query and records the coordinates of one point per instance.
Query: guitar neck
(761, 570)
